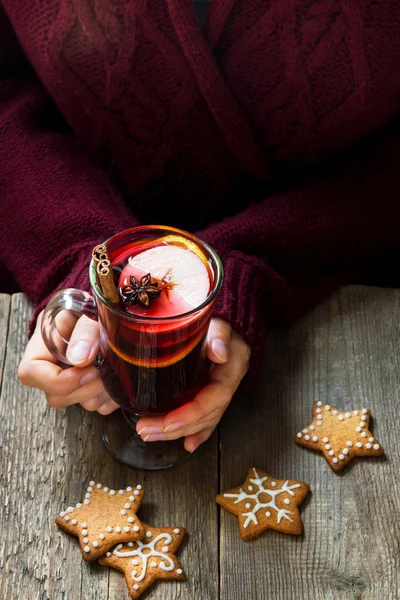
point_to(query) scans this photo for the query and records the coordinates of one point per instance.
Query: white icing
(359, 444)
(118, 529)
(358, 429)
(84, 525)
(86, 501)
(305, 430)
(307, 437)
(108, 554)
(179, 571)
(286, 501)
(349, 443)
(267, 514)
(74, 521)
(334, 412)
(368, 445)
(86, 549)
(79, 505)
(355, 412)
(90, 489)
(347, 415)
(166, 564)
(105, 489)
(70, 509)
(136, 528)
(176, 530)
(376, 446)
(331, 452)
(102, 536)
(312, 427)
(139, 487)
(335, 460)
(121, 492)
(250, 488)
(131, 520)
(319, 403)
(112, 492)
(132, 498)
(364, 411)
(96, 544)
(328, 446)
(149, 534)
(363, 434)
(126, 529)
(136, 587)
(362, 424)
(340, 417)
(325, 440)
(318, 410)
(136, 492)
(345, 451)
(91, 482)
(364, 417)
(66, 518)
(248, 505)
(273, 483)
(259, 482)
(109, 529)
(98, 486)
(315, 439)
(371, 439)
(327, 407)
(341, 456)
(123, 512)
(164, 549)
(127, 505)
(128, 489)
(153, 564)
(88, 495)
(84, 532)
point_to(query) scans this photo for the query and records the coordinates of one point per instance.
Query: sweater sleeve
(286, 253)
(55, 203)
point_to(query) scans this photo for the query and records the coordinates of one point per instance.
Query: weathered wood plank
(48, 456)
(5, 301)
(346, 353)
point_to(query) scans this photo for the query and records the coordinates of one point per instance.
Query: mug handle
(76, 301)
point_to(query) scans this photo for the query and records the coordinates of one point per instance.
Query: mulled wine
(153, 358)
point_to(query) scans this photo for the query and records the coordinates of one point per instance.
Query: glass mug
(148, 365)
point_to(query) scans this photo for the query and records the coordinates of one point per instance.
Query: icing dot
(325, 440)
(70, 509)
(327, 407)
(118, 529)
(86, 501)
(268, 514)
(108, 554)
(355, 412)
(129, 489)
(121, 492)
(102, 536)
(250, 488)
(319, 423)
(348, 415)
(79, 505)
(88, 495)
(248, 505)
(112, 492)
(96, 544)
(135, 562)
(318, 410)
(136, 528)
(131, 520)
(136, 492)
(132, 498)
(109, 529)
(363, 434)
(368, 445)
(364, 411)
(371, 439)
(305, 430)
(62, 513)
(136, 587)
(358, 429)
(105, 489)
(334, 412)
(84, 525)
(126, 529)
(315, 439)
(328, 446)
(307, 437)
(364, 417)
(86, 549)
(149, 534)
(349, 443)
(179, 571)
(127, 505)
(176, 530)
(362, 424)
(164, 549)
(123, 512)
(90, 489)
(341, 456)
(153, 564)
(331, 452)
(91, 482)
(376, 446)
(286, 501)
(359, 444)
(84, 532)
(335, 460)
(319, 403)
(340, 417)
(319, 417)
(74, 521)
(273, 483)
(345, 451)
(98, 486)
(139, 487)
(66, 518)
(312, 427)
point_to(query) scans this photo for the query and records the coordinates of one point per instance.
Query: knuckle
(23, 373)
(55, 401)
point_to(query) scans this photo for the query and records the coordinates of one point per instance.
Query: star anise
(142, 290)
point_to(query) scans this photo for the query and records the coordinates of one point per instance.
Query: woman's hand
(78, 384)
(197, 419)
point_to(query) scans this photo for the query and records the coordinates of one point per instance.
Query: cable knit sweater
(271, 133)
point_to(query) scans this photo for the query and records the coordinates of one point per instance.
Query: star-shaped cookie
(144, 561)
(264, 502)
(105, 518)
(340, 436)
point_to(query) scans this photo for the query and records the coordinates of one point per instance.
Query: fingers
(218, 341)
(192, 442)
(83, 346)
(90, 386)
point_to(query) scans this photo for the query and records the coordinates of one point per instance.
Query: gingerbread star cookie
(340, 436)
(147, 560)
(105, 518)
(264, 502)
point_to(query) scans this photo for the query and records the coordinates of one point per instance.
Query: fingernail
(175, 426)
(154, 438)
(194, 448)
(79, 352)
(220, 349)
(149, 430)
(91, 376)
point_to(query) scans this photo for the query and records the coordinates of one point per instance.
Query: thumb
(83, 346)
(218, 341)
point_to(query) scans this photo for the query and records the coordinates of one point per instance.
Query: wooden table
(346, 352)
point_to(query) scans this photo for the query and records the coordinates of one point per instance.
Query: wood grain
(5, 301)
(48, 457)
(346, 353)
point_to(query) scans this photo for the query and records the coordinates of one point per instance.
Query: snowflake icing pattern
(282, 513)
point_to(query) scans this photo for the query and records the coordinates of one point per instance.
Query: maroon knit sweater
(271, 133)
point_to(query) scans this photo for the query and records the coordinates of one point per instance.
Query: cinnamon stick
(99, 253)
(106, 280)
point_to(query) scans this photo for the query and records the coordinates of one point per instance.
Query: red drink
(153, 358)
